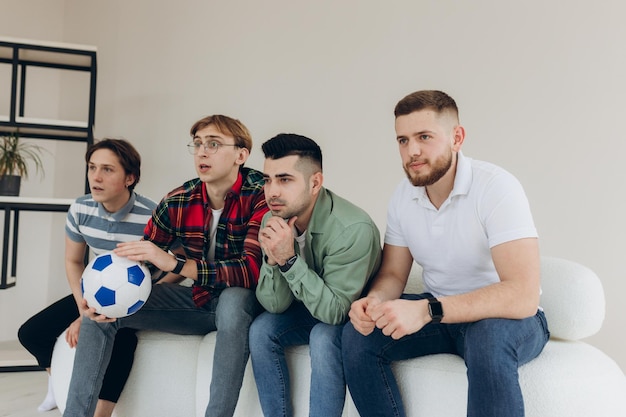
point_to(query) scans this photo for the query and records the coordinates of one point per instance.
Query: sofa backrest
(572, 297)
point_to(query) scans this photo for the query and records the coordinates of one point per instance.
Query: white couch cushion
(171, 374)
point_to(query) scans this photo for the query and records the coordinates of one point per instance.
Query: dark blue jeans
(493, 350)
(270, 334)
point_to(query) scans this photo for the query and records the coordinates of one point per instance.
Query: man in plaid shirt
(211, 223)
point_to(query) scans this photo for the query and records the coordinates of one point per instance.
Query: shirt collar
(234, 191)
(463, 178)
(121, 213)
(322, 209)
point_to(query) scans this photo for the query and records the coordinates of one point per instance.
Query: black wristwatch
(180, 259)
(435, 310)
(288, 264)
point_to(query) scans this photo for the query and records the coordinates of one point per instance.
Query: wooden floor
(21, 392)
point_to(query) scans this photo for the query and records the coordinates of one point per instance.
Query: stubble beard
(439, 168)
(286, 212)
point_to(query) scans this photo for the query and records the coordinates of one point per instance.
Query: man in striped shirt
(111, 213)
(211, 223)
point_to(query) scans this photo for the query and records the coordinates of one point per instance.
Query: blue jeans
(171, 309)
(270, 334)
(493, 349)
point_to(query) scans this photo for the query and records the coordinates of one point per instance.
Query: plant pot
(10, 185)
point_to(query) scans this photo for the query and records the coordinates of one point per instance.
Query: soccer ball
(115, 286)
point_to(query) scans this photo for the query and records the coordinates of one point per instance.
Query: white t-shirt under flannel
(486, 207)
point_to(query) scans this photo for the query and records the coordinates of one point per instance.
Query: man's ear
(242, 157)
(130, 180)
(316, 181)
(458, 137)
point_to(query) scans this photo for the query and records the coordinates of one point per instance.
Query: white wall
(539, 84)
(40, 268)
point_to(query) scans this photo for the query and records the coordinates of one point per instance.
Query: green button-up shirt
(341, 254)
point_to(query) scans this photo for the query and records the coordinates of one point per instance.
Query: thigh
(235, 305)
(168, 296)
(524, 338)
(289, 328)
(431, 339)
(170, 308)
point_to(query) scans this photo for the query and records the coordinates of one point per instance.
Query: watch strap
(435, 310)
(180, 263)
(288, 264)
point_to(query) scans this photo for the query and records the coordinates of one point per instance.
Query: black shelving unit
(20, 55)
(23, 54)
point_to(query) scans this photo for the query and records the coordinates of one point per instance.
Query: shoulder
(86, 199)
(340, 210)
(183, 192)
(489, 176)
(487, 169)
(83, 204)
(252, 179)
(144, 202)
(84, 211)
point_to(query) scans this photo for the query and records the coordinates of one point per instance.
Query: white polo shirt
(486, 207)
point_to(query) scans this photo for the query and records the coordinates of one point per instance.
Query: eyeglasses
(211, 146)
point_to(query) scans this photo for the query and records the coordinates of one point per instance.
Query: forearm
(507, 300)
(328, 298)
(393, 274)
(387, 287)
(74, 271)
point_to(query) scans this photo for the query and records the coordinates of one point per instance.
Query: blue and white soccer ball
(115, 286)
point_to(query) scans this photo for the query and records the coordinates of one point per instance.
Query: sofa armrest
(572, 298)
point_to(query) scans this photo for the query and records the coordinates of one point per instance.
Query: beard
(438, 170)
(287, 211)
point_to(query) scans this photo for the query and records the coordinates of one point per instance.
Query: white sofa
(570, 378)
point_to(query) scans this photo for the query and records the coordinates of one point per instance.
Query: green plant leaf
(14, 156)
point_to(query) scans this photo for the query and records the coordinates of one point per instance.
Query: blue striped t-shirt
(88, 222)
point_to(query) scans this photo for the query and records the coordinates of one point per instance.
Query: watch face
(288, 263)
(435, 309)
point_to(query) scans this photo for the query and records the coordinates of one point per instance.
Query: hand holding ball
(115, 286)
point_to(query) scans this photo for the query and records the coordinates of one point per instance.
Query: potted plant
(14, 157)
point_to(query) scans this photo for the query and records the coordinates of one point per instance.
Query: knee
(236, 300)
(260, 330)
(486, 347)
(325, 342)
(325, 336)
(350, 338)
(236, 307)
(126, 339)
(23, 334)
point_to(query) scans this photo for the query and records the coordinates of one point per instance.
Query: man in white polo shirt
(469, 225)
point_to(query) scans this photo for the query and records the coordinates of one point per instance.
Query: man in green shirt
(320, 252)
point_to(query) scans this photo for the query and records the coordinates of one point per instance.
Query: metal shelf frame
(22, 54)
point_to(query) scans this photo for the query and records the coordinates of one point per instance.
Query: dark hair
(426, 99)
(287, 144)
(126, 153)
(228, 126)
